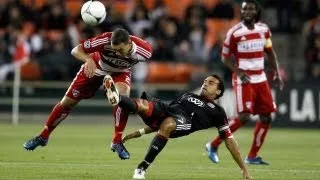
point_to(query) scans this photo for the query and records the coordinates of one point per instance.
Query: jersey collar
(134, 48)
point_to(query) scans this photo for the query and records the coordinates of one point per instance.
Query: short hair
(220, 85)
(258, 8)
(120, 36)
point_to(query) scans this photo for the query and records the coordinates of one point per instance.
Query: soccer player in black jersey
(187, 114)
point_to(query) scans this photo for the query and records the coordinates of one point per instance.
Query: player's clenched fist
(90, 68)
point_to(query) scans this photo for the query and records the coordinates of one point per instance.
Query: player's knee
(123, 88)
(68, 102)
(169, 125)
(143, 105)
(244, 117)
(265, 119)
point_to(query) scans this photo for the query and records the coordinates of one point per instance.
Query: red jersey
(248, 46)
(110, 61)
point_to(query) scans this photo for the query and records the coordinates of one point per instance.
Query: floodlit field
(83, 152)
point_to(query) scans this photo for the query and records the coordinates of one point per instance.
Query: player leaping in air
(185, 115)
(111, 53)
(247, 42)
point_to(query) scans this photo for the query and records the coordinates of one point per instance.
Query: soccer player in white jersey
(111, 53)
(243, 52)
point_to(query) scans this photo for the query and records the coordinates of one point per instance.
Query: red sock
(234, 124)
(120, 122)
(57, 114)
(260, 133)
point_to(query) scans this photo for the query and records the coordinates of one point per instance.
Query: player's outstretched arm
(90, 65)
(79, 53)
(138, 133)
(232, 146)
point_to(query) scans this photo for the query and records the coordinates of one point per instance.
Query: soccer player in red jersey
(111, 53)
(247, 42)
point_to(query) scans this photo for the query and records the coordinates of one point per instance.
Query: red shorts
(254, 98)
(83, 87)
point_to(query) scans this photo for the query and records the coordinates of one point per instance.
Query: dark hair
(120, 36)
(220, 86)
(258, 8)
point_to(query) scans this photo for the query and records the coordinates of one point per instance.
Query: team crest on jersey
(87, 44)
(248, 104)
(75, 93)
(196, 101)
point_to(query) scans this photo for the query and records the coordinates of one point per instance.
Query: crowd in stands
(184, 31)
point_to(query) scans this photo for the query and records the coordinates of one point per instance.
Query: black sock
(128, 104)
(155, 148)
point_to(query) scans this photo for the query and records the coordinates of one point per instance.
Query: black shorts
(183, 122)
(158, 114)
(161, 111)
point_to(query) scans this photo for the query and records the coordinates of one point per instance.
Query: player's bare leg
(235, 124)
(259, 134)
(57, 115)
(157, 144)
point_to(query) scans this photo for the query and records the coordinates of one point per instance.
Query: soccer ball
(93, 12)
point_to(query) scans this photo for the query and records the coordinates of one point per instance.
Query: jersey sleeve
(229, 45)
(223, 126)
(268, 43)
(144, 49)
(96, 43)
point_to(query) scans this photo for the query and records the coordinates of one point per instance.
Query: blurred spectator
(312, 54)
(287, 15)
(116, 20)
(167, 37)
(158, 11)
(56, 64)
(224, 10)
(192, 48)
(139, 19)
(57, 18)
(311, 9)
(196, 8)
(19, 49)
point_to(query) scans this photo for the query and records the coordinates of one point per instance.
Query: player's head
(120, 41)
(212, 87)
(250, 11)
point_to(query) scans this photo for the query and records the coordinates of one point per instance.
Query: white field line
(108, 165)
(54, 164)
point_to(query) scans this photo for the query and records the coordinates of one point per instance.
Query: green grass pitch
(83, 152)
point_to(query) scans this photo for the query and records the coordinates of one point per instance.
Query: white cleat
(139, 174)
(110, 90)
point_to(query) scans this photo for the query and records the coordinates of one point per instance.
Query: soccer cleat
(139, 174)
(212, 153)
(35, 142)
(110, 90)
(256, 160)
(121, 150)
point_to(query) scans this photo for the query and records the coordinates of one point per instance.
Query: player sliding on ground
(187, 114)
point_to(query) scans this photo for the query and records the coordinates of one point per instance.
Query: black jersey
(202, 114)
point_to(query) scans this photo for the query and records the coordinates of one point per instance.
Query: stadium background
(187, 37)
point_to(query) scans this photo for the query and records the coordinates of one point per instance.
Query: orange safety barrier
(217, 28)
(163, 72)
